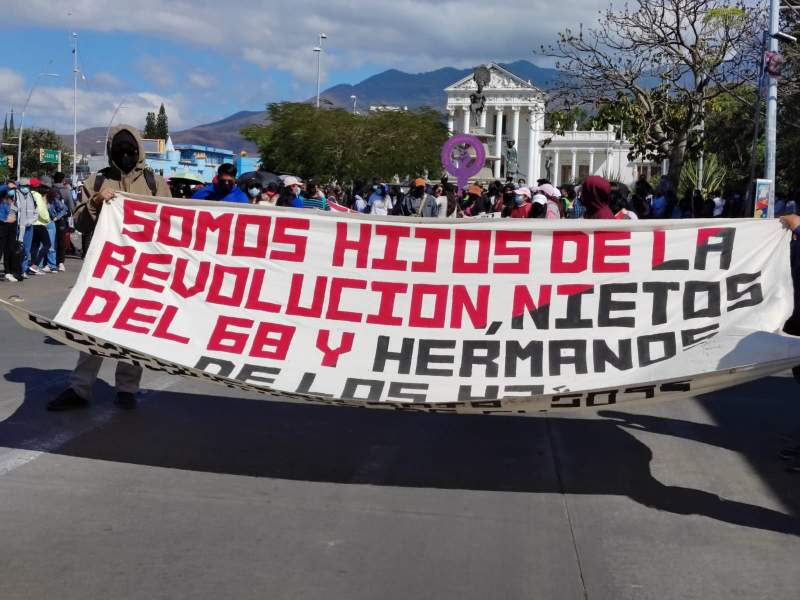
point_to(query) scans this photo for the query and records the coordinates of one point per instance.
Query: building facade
(194, 160)
(515, 110)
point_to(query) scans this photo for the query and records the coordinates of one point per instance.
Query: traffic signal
(10, 161)
(773, 64)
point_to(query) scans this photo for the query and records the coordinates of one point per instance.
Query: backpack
(149, 178)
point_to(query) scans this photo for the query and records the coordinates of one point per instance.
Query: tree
(162, 125)
(32, 141)
(337, 145)
(5, 129)
(150, 131)
(659, 62)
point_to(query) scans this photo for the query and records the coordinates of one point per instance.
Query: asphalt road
(207, 493)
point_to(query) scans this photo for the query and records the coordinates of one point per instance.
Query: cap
(524, 191)
(419, 181)
(548, 190)
(475, 189)
(45, 181)
(539, 199)
(291, 180)
(35, 182)
(24, 181)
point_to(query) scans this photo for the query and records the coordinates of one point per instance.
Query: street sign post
(50, 157)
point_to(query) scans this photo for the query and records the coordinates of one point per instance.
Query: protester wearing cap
(522, 204)
(293, 192)
(475, 203)
(57, 211)
(410, 204)
(553, 205)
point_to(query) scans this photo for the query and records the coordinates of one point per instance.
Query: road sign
(49, 156)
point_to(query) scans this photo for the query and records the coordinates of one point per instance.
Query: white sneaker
(47, 269)
(61, 267)
(25, 276)
(11, 278)
(34, 270)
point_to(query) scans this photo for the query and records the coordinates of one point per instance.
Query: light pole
(74, 108)
(110, 123)
(22, 118)
(354, 98)
(318, 51)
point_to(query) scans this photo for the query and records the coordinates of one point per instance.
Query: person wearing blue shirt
(225, 188)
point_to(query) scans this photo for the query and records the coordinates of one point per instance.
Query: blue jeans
(51, 254)
(27, 239)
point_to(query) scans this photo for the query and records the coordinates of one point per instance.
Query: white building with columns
(514, 110)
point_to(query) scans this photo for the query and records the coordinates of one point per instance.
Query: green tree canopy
(659, 62)
(162, 123)
(32, 141)
(150, 131)
(335, 144)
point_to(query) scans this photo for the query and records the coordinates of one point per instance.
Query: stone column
(483, 118)
(466, 119)
(515, 126)
(556, 168)
(533, 149)
(574, 167)
(591, 161)
(451, 115)
(498, 139)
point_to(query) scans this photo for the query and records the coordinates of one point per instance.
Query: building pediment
(501, 80)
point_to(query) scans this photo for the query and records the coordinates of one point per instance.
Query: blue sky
(206, 60)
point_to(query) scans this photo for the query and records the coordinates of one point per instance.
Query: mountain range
(391, 87)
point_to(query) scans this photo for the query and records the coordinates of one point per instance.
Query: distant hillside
(423, 89)
(391, 87)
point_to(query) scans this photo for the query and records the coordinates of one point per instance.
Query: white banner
(477, 315)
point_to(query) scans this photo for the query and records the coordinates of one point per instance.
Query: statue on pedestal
(548, 167)
(512, 159)
(477, 101)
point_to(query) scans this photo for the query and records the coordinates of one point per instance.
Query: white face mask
(254, 192)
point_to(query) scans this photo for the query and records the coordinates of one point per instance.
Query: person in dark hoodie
(126, 172)
(595, 195)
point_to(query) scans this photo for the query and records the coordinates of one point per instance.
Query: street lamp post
(110, 123)
(318, 52)
(354, 98)
(74, 108)
(22, 119)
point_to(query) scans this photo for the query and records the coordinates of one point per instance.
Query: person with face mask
(125, 172)
(522, 204)
(269, 196)
(224, 187)
(28, 214)
(8, 232)
(253, 189)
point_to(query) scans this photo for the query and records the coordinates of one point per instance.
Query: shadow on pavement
(343, 445)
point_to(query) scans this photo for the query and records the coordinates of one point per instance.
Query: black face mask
(125, 158)
(225, 185)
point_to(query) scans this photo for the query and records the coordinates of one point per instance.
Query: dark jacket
(595, 195)
(135, 182)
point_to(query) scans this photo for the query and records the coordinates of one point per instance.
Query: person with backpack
(126, 172)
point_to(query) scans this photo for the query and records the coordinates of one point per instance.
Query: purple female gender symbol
(467, 166)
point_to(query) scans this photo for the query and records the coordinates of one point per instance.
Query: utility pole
(772, 109)
(22, 118)
(74, 108)
(354, 98)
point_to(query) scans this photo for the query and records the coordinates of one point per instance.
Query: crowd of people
(35, 225)
(594, 198)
